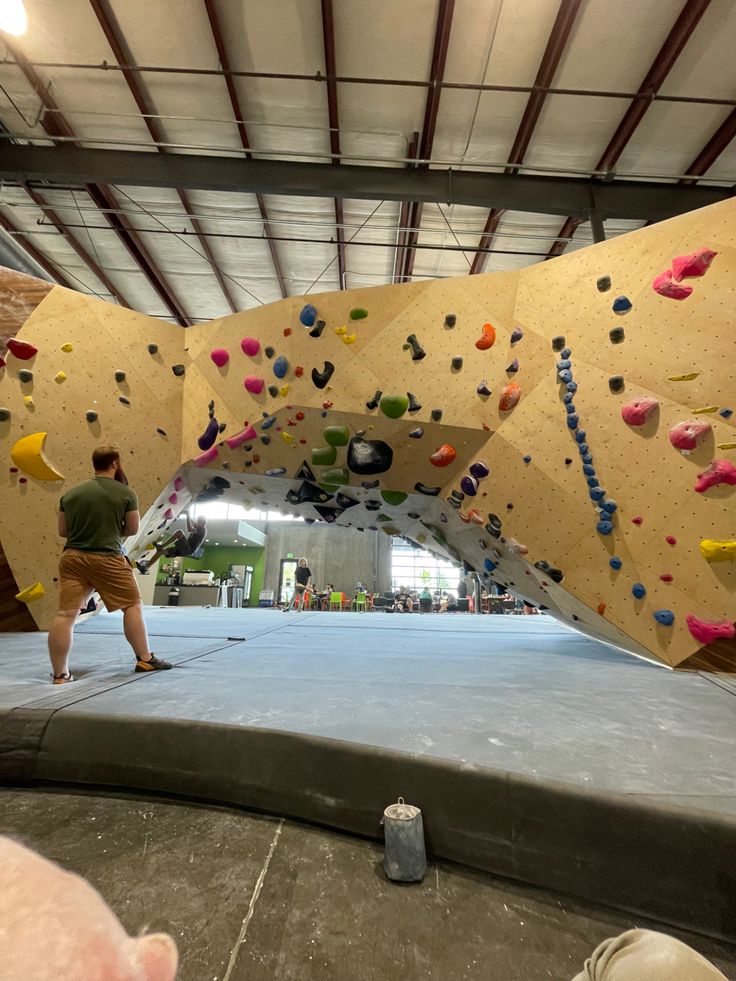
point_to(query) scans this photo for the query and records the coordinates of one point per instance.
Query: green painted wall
(220, 558)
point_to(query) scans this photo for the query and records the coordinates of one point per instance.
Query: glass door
(287, 573)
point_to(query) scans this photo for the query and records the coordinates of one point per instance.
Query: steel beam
(712, 149)
(43, 261)
(635, 200)
(328, 38)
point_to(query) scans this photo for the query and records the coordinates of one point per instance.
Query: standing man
(94, 518)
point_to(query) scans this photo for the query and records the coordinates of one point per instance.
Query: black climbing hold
(575, 617)
(436, 415)
(370, 484)
(616, 383)
(317, 329)
(265, 440)
(4, 415)
(416, 433)
(603, 283)
(25, 375)
(269, 351)
(429, 491)
(450, 320)
(453, 503)
(554, 574)
(369, 456)
(124, 401)
(327, 514)
(513, 367)
(320, 378)
(558, 342)
(273, 391)
(414, 405)
(482, 543)
(344, 502)
(304, 472)
(308, 492)
(494, 525)
(161, 432)
(372, 505)
(119, 376)
(457, 495)
(178, 369)
(417, 351)
(616, 334)
(413, 515)
(527, 459)
(456, 363)
(222, 427)
(373, 404)
(568, 461)
(483, 388)
(91, 416)
(509, 507)
(153, 348)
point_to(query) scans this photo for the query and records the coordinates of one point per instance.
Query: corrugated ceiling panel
(370, 265)
(303, 262)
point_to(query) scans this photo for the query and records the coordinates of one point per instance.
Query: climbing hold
(487, 338)
(344, 502)
(416, 433)
(609, 506)
(567, 399)
(25, 375)
(603, 283)
(564, 375)
(510, 395)
(31, 593)
(429, 491)
(572, 386)
(456, 363)
(483, 388)
(708, 631)
(637, 521)
(513, 367)
(350, 339)
(417, 350)
(308, 315)
(494, 525)
(91, 415)
(269, 352)
(615, 562)
(719, 472)
(705, 410)
(436, 415)
(280, 367)
(479, 470)
(210, 434)
(265, 440)
(21, 350)
(686, 435)
(245, 436)
(488, 565)
(565, 354)
(554, 574)
(341, 330)
(253, 384)
(414, 404)
(718, 551)
(666, 577)
(443, 456)
(684, 378)
(572, 420)
(4, 415)
(450, 320)
(220, 356)
(178, 369)
(123, 400)
(316, 331)
(373, 404)
(394, 498)
(527, 459)
(568, 461)
(326, 405)
(207, 457)
(596, 493)
(366, 456)
(726, 413)
(694, 264)
(287, 437)
(268, 421)
(665, 617)
(336, 435)
(394, 406)
(469, 485)
(637, 412)
(152, 348)
(358, 313)
(516, 335)
(558, 342)
(604, 527)
(324, 456)
(273, 391)
(671, 540)
(666, 286)
(638, 590)
(250, 346)
(67, 348)
(622, 304)
(320, 378)
(60, 377)
(616, 383)
(616, 335)
(601, 608)
(28, 455)
(726, 446)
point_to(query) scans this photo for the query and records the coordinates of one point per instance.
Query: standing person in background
(302, 585)
(94, 518)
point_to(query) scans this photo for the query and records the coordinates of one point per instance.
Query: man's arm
(63, 528)
(132, 523)
(190, 524)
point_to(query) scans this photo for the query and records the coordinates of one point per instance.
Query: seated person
(323, 595)
(403, 601)
(425, 601)
(178, 545)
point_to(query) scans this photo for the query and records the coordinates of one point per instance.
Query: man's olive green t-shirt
(95, 513)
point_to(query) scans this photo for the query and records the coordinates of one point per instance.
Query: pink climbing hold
(220, 356)
(168, 514)
(719, 472)
(178, 484)
(707, 631)
(207, 457)
(250, 346)
(242, 437)
(666, 286)
(694, 264)
(671, 540)
(21, 349)
(173, 499)
(253, 384)
(637, 412)
(686, 435)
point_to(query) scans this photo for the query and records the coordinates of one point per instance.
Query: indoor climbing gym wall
(565, 430)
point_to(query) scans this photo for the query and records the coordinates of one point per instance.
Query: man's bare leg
(61, 634)
(134, 628)
(160, 550)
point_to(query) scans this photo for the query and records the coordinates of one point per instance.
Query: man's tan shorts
(111, 575)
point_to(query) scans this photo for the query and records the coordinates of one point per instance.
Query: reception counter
(198, 595)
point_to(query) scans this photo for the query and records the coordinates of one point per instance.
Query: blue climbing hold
(567, 398)
(580, 435)
(572, 386)
(593, 482)
(280, 367)
(604, 527)
(573, 420)
(665, 617)
(615, 562)
(726, 413)
(570, 406)
(416, 433)
(589, 470)
(488, 565)
(527, 459)
(267, 423)
(565, 353)
(564, 363)
(622, 304)
(565, 375)
(638, 590)
(308, 315)
(597, 493)
(583, 449)
(585, 457)
(609, 506)
(276, 472)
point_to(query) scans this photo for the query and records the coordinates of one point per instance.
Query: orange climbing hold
(601, 608)
(510, 395)
(444, 456)
(487, 338)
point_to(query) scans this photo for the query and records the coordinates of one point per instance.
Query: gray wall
(338, 555)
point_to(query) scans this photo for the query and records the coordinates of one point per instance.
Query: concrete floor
(325, 911)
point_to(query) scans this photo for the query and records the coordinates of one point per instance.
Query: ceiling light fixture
(13, 18)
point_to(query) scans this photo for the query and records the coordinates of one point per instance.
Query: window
(236, 512)
(418, 569)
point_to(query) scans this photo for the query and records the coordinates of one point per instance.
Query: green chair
(335, 601)
(360, 603)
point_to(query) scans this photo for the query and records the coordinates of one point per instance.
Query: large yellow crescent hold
(31, 593)
(28, 456)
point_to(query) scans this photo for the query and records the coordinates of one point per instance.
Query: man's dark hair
(103, 457)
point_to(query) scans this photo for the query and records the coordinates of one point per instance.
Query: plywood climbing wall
(385, 409)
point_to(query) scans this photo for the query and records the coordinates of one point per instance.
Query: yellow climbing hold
(705, 408)
(31, 593)
(287, 437)
(28, 400)
(60, 377)
(350, 339)
(726, 446)
(67, 348)
(341, 330)
(28, 455)
(718, 551)
(684, 378)
(284, 391)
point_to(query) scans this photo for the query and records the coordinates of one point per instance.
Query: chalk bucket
(405, 858)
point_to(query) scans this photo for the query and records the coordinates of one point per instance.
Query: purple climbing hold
(516, 335)
(416, 433)
(479, 469)
(513, 367)
(469, 486)
(483, 388)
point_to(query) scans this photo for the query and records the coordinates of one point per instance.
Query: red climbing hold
(601, 608)
(327, 405)
(707, 631)
(21, 349)
(686, 435)
(510, 395)
(637, 521)
(299, 416)
(487, 338)
(671, 540)
(298, 371)
(666, 286)
(666, 577)
(220, 356)
(173, 499)
(2, 362)
(719, 472)
(444, 456)
(694, 264)
(637, 412)
(287, 331)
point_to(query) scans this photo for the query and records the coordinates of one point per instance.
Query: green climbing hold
(383, 517)
(358, 313)
(323, 456)
(336, 435)
(394, 406)
(394, 498)
(332, 479)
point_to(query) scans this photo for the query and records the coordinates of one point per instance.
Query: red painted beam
(712, 149)
(328, 38)
(400, 251)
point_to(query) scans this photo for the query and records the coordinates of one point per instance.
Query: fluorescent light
(13, 19)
